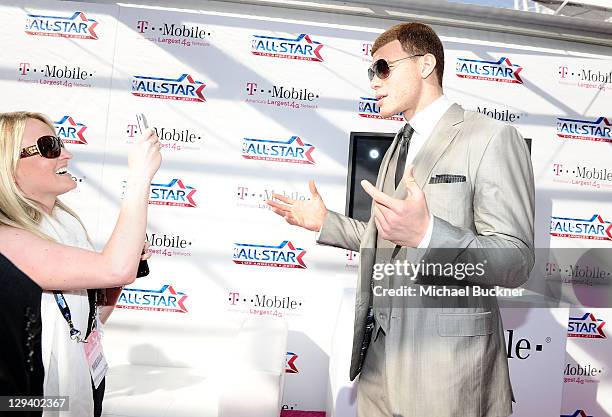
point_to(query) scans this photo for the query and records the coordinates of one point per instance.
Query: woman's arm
(54, 266)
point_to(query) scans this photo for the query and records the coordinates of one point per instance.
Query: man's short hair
(416, 38)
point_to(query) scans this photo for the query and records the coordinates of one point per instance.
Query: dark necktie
(403, 152)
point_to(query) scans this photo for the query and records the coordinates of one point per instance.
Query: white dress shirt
(423, 124)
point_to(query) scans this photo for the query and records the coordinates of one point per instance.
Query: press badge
(98, 367)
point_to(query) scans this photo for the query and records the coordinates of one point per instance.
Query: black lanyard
(75, 334)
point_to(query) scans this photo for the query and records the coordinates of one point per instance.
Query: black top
(21, 368)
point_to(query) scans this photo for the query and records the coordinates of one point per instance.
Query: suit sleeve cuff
(424, 243)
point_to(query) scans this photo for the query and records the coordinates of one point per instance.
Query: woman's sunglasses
(46, 146)
(382, 68)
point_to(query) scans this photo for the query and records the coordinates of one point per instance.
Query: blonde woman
(47, 241)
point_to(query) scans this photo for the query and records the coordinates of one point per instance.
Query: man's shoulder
(486, 127)
(474, 117)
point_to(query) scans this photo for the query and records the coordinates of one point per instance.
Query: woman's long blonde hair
(17, 210)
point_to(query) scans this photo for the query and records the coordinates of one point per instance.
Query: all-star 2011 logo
(595, 228)
(290, 365)
(302, 47)
(586, 326)
(369, 108)
(285, 255)
(577, 413)
(70, 131)
(76, 26)
(183, 88)
(175, 193)
(165, 299)
(294, 150)
(501, 71)
(598, 130)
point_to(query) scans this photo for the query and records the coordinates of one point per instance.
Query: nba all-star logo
(598, 130)
(294, 150)
(586, 326)
(174, 193)
(290, 363)
(76, 26)
(369, 108)
(577, 413)
(183, 88)
(285, 255)
(70, 131)
(302, 47)
(501, 71)
(594, 228)
(165, 299)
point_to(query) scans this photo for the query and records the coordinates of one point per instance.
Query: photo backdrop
(247, 105)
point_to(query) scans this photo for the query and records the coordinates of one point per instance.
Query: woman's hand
(145, 157)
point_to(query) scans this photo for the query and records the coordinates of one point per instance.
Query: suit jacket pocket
(465, 324)
(447, 188)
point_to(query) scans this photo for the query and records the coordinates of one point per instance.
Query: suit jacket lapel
(441, 137)
(370, 234)
(384, 165)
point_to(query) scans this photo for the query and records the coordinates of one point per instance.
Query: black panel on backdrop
(366, 151)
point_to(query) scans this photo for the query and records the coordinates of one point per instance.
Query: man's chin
(386, 113)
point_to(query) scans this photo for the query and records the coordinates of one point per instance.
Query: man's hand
(307, 214)
(403, 222)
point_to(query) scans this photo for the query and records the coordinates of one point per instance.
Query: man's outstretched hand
(308, 214)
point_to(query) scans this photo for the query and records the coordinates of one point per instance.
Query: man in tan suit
(468, 185)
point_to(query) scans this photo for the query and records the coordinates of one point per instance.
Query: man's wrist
(426, 239)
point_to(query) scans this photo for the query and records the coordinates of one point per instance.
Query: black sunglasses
(382, 68)
(46, 146)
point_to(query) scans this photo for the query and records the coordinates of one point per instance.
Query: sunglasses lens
(381, 68)
(50, 146)
(370, 74)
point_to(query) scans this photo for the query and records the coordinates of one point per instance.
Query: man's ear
(429, 64)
